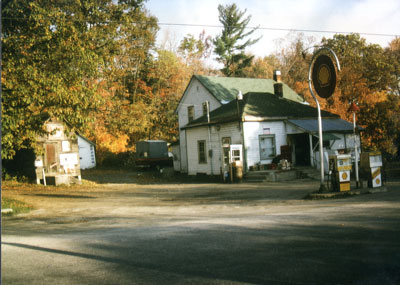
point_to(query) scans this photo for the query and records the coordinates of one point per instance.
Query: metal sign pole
(322, 187)
(321, 146)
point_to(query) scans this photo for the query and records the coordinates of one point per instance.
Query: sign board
(66, 146)
(266, 131)
(68, 159)
(55, 131)
(324, 76)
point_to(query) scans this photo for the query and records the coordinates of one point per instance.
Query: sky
(358, 16)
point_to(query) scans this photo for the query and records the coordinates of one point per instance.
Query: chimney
(278, 86)
(238, 98)
(277, 76)
(240, 95)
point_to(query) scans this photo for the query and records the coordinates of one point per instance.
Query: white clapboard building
(87, 152)
(265, 116)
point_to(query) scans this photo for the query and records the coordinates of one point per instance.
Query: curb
(314, 196)
(6, 211)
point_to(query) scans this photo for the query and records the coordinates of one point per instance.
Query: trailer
(153, 153)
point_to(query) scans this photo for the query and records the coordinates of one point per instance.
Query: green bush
(125, 160)
(17, 206)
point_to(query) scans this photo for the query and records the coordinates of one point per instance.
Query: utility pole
(210, 154)
(354, 108)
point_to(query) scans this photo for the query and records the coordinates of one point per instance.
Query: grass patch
(143, 176)
(25, 186)
(18, 207)
(331, 195)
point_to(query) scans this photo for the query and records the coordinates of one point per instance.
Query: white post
(209, 138)
(312, 162)
(356, 151)
(322, 187)
(44, 177)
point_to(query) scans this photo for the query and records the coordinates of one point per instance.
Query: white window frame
(204, 106)
(202, 154)
(190, 110)
(226, 142)
(272, 152)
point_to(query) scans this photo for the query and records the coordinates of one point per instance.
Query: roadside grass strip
(10, 207)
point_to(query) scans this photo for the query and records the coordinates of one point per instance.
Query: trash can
(238, 171)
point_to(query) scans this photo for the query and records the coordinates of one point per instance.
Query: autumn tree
(393, 53)
(135, 40)
(369, 76)
(231, 44)
(262, 67)
(54, 56)
(368, 61)
(168, 77)
(122, 119)
(366, 78)
(293, 53)
(199, 48)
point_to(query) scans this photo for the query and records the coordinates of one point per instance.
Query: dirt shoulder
(201, 233)
(144, 195)
(141, 193)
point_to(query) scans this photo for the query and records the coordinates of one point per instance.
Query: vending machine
(236, 162)
(371, 168)
(339, 169)
(235, 153)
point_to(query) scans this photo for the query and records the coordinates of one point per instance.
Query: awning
(329, 137)
(328, 125)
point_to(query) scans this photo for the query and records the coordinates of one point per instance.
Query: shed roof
(226, 89)
(85, 139)
(152, 141)
(311, 125)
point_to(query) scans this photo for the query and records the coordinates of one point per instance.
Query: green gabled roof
(261, 105)
(225, 89)
(270, 105)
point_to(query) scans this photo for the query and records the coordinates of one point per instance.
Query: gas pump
(236, 162)
(371, 164)
(339, 168)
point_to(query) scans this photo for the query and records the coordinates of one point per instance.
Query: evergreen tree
(231, 44)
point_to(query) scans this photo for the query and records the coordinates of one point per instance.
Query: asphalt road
(203, 234)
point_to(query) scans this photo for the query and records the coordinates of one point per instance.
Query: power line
(220, 26)
(282, 29)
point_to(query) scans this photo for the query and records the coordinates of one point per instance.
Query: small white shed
(87, 153)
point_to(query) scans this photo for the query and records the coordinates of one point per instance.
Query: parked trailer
(153, 153)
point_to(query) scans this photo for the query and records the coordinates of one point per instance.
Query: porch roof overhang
(329, 137)
(334, 125)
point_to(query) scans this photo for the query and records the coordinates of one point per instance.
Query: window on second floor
(205, 109)
(191, 113)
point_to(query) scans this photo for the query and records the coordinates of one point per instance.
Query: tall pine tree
(231, 44)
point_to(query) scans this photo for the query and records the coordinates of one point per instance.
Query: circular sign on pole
(324, 76)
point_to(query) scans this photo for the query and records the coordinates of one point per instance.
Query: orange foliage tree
(366, 78)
